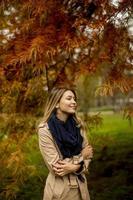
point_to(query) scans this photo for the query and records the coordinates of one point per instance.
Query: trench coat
(68, 187)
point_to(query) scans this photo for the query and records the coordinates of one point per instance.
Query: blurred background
(83, 44)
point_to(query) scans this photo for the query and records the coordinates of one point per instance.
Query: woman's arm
(85, 155)
(47, 148)
(51, 155)
(62, 167)
(78, 164)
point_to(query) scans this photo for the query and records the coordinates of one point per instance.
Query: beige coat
(69, 186)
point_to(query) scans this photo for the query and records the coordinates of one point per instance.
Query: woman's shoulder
(43, 127)
(44, 134)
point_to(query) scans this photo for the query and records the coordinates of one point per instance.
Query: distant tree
(86, 86)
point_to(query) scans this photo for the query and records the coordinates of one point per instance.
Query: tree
(55, 41)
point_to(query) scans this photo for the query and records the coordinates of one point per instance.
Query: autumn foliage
(44, 38)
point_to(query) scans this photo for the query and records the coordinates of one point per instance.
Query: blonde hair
(53, 99)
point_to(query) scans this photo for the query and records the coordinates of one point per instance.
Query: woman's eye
(71, 99)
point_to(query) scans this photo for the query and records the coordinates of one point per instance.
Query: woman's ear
(57, 106)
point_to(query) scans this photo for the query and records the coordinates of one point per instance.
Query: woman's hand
(62, 168)
(87, 152)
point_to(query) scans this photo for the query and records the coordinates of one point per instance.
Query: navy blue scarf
(67, 135)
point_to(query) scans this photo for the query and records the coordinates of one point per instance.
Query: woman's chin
(72, 112)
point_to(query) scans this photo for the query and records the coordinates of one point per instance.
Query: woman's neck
(61, 115)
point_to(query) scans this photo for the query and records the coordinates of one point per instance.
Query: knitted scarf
(66, 134)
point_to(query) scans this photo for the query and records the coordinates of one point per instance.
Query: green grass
(114, 128)
(111, 168)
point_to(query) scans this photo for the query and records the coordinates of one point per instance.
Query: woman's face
(68, 103)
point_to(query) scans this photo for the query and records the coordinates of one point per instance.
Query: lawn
(111, 174)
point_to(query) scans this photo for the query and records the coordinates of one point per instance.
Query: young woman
(64, 147)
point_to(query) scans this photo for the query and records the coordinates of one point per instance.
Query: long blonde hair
(52, 100)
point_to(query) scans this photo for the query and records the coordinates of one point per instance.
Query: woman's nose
(73, 101)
